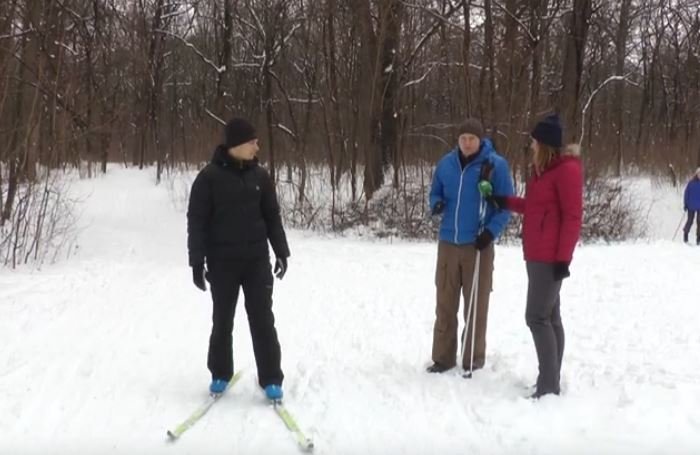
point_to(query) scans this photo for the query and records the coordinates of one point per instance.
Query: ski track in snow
(104, 352)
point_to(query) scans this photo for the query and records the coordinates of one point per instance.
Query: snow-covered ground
(104, 352)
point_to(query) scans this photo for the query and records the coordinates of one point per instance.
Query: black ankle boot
(437, 368)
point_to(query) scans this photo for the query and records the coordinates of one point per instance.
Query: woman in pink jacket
(552, 212)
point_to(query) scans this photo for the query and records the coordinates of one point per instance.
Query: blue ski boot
(218, 386)
(273, 392)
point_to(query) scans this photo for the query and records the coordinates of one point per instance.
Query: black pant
(544, 320)
(692, 215)
(226, 277)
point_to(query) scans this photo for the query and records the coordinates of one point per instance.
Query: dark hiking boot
(437, 368)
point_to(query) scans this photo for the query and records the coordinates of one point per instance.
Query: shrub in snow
(41, 226)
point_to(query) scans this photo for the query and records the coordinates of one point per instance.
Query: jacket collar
(485, 151)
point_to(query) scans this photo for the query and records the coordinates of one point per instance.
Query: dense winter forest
(354, 100)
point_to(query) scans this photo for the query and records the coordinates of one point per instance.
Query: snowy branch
(437, 15)
(286, 130)
(431, 31)
(71, 11)
(278, 46)
(259, 24)
(533, 38)
(594, 93)
(245, 65)
(214, 116)
(420, 79)
(295, 27)
(176, 13)
(66, 47)
(304, 100)
(218, 69)
(471, 65)
(18, 34)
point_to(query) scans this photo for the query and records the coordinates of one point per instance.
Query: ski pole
(485, 190)
(471, 314)
(678, 227)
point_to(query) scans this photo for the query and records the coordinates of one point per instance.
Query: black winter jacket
(232, 212)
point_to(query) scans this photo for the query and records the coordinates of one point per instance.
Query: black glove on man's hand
(198, 276)
(561, 271)
(280, 267)
(438, 208)
(483, 240)
(497, 202)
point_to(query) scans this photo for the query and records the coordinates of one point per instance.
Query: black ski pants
(255, 277)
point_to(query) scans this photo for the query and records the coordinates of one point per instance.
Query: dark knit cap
(471, 126)
(238, 131)
(548, 131)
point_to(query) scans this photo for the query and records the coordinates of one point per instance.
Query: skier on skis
(691, 204)
(455, 196)
(233, 212)
(553, 212)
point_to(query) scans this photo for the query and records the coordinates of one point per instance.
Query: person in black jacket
(232, 213)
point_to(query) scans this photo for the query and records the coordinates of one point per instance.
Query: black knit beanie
(238, 131)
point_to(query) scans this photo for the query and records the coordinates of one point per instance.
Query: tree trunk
(466, 52)
(389, 85)
(567, 105)
(367, 127)
(621, 53)
(489, 119)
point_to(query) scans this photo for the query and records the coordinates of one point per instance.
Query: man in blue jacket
(691, 204)
(465, 229)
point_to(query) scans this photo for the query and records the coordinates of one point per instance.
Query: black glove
(497, 202)
(483, 240)
(438, 208)
(685, 208)
(198, 273)
(280, 267)
(561, 271)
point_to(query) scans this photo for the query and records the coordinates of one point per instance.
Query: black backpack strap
(486, 170)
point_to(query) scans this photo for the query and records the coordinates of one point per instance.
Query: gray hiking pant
(544, 320)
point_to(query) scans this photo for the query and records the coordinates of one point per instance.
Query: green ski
(173, 435)
(304, 443)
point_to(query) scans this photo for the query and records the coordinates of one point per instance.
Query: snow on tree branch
(532, 37)
(17, 34)
(218, 69)
(420, 79)
(214, 116)
(594, 93)
(286, 130)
